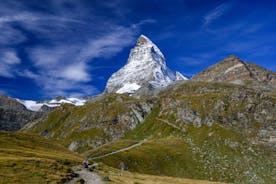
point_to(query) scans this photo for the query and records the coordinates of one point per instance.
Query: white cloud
(76, 72)
(28, 17)
(66, 41)
(62, 68)
(190, 61)
(143, 22)
(8, 62)
(109, 44)
(216, 13)
(10, 58)
(53, 84)
(10, 35)
(47, 57)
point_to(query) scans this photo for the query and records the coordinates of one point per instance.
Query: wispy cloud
(8, 62)
(28, 17)
(216, 13)
(68, 66)
(190, 61)
(197, 60)
(11, 36)
(62, 66)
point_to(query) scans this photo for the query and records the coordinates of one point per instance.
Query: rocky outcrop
(103, 120)
(14, 115)
(241, 109)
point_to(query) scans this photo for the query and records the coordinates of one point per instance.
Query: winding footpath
(93, 178)
(170, 124)
(120, 150)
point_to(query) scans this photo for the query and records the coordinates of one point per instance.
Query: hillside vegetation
(28, 158)
(211, 131)
(124, 177)
(210, 153)
(87, 127)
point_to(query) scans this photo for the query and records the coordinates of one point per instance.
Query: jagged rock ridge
(146, 66)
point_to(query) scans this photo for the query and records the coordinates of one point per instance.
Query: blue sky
(71, 47)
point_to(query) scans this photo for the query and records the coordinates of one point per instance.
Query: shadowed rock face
(14, 115)
(232, 69)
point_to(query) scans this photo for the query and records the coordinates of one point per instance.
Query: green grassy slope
(88, 126)
(125, 177)
(28, 158)
(220, 148)
(213, 131)
(210, 153)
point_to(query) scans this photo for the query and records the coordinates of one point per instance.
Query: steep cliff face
(146, 67)
(232, 69)
(14, 115)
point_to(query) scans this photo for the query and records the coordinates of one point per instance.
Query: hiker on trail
(123, 166)
(85, 164)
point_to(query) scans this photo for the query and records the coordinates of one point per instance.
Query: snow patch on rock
(179, 76)
(233, 67)
(128, 88)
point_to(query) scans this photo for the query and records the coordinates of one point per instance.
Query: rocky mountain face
(232, 69)
(103, 120)
(14, 115)
(215, 131)
(146, 67)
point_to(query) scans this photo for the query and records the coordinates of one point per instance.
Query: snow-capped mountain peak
(146, 42)
(36, 105)
(146, 66)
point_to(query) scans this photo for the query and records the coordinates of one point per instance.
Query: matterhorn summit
(146, 67)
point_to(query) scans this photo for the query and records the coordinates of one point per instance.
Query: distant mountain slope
(232, 69)
(42, 105)
(14, 115)
(146, 66)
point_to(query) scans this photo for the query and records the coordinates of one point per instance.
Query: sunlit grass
(27, 158)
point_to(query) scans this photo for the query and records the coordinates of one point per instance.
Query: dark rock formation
(14, 115)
